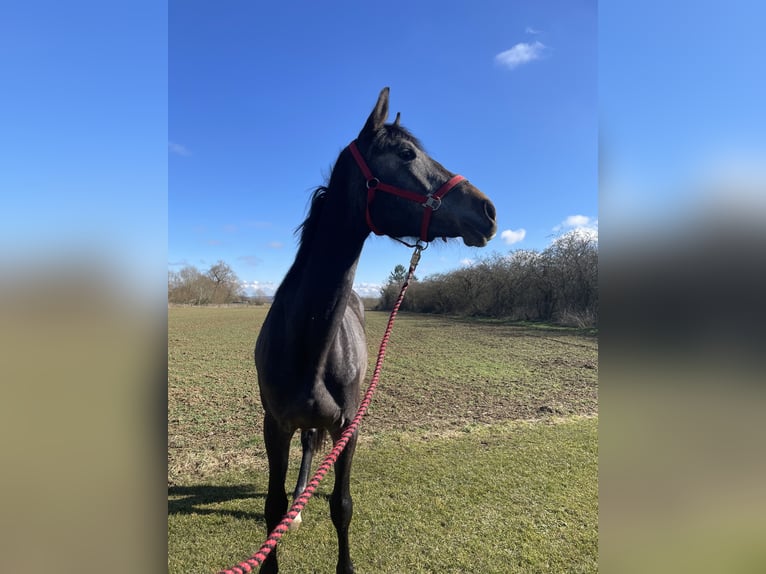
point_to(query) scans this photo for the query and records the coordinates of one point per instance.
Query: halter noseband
(432, 201)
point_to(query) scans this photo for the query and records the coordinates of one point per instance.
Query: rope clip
(419, 248)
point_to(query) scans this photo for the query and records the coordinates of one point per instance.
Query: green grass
(479, 453)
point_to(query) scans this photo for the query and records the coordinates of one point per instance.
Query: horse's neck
(327, 273)
(321, 279)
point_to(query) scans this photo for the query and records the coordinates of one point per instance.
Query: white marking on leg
(295, 524)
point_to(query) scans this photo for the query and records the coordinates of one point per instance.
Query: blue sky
(145, 134)
(682, 117)
(263, 96)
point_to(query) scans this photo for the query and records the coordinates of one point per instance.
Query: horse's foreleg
(307, 445)
(341, 505)
(277, 449)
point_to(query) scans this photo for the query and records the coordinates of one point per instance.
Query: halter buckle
(433, 202)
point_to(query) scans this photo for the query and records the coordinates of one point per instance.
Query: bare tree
(190, 286)
(226, 286)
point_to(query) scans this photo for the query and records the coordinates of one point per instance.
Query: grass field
(479, 453)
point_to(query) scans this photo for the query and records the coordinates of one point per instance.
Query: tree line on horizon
(558, 285)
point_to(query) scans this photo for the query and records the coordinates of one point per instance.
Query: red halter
(432, 201)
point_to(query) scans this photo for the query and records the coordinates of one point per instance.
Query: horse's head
(402, 177)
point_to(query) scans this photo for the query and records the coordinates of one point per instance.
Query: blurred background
(682, 204)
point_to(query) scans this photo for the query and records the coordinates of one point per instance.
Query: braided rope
(279, 530)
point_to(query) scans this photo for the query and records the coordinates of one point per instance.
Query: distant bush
(218, 285)
(559, 284)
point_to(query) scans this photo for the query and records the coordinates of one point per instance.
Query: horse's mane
(309, 225)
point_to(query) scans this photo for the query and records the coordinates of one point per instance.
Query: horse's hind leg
(308, 439)
(341, 505)
(277, 443)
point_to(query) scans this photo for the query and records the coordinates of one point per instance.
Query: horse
(311, 352)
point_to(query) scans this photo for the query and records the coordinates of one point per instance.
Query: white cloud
(531, 30)
(509, 236)
(519, 54)
(576, 221)
(276, 244)
(368, 289)
(467, 262)
(253, 288)
(581, 225)
(178, 149)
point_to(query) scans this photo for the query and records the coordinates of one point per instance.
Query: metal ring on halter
(419, 244)
(433, 202)
(373, 182)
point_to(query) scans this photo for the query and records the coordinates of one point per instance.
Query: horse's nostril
(489, 210)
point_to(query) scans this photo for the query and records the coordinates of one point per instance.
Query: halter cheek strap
(432, 201)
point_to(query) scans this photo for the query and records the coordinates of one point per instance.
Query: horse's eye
(407, 154)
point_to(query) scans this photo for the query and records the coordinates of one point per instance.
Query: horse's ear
(378, 116)
(398, 116)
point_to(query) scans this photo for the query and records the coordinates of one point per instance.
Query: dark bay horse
(311, 353)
